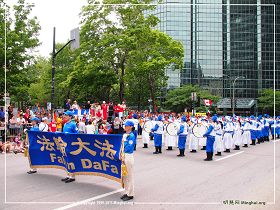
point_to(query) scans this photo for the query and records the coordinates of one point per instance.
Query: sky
(62, 14)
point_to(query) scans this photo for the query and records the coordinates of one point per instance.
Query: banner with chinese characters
(77, 153)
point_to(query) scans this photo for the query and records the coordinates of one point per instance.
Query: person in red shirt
(52, 125)
(116, 110)
(121, 110)
(104, 108)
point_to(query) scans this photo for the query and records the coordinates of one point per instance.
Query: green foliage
(180, 98)
(266, 101)
(126, 51)
(22, 32)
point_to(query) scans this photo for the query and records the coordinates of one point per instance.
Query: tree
(107, 43)
(156, 52)
(180, 98)
(126, 46)
(22, 38)
(40, 89)
(266, 101)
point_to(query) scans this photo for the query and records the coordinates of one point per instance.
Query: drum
(148, 125)
(199, 130)
(172, 129)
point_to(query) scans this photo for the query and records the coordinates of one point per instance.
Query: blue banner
(77, 153)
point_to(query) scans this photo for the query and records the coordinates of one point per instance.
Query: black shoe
(123, 196)
(159, 150)
(227, 150)
(203, 148)
(245, 145)
(70, 180)
(193, 151)
(209, 156)
(31, 172)
(127, 198)
(169, 148)
(145, 146)
(218, 154)
(155, 152)
(236, 148)
(64, 179)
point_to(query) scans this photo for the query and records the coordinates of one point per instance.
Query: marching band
(217, 134)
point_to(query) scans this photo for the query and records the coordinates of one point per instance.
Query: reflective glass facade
(224, 41)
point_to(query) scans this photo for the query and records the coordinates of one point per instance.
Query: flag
(207, 102)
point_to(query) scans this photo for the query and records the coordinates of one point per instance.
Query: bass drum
(172, 129)
(199, 130)
(148, 125)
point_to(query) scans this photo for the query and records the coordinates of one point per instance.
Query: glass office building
(224, 41)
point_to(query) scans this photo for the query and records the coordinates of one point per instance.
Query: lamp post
(233, 90)
(54, 54)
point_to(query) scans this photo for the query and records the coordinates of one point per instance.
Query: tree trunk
(121, 92)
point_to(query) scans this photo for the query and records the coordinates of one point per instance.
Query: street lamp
(233, 90)
(76, 40)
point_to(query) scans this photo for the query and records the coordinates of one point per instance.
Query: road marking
(229, 156)
(89, 200)
(275, 140)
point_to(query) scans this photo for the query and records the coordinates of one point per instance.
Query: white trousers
(246, 137)
(218, 144)
(145, 137)
(129, 179)
(193, 143)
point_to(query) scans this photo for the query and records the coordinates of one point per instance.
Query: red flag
(207, 102)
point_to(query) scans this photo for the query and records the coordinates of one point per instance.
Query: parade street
(162, 181)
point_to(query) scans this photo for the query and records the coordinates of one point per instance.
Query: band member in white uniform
(193, 142)
(228, 130)
(218, 145)
(246, 136)
(145, 134)
(237, 136)
(170, 141)
(202, 141)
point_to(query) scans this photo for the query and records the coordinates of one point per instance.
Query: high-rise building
(226, 43)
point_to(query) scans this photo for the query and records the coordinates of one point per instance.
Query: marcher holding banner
(34, 127)
(69, 127)
(129, 142)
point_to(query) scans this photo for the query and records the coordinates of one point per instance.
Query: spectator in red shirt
(121, 109)
(116, 110)
(104, 108)
(52, 125)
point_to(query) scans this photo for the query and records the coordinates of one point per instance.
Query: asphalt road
(162, 181)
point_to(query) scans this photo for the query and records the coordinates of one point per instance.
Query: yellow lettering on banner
(114, 169)
(82, 145)
(105, 165)
(71, 166)
(46, 144)
(110, 153)
(97, 166)
(52, 156)
(61, 160)
(86, 163)
(60, 145)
